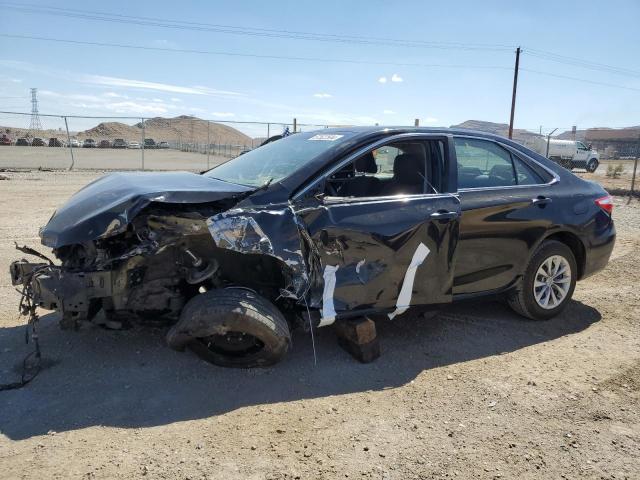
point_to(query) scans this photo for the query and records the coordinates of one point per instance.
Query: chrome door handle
(443, 215)
(540, 201)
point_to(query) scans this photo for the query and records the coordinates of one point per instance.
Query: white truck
(568, 153)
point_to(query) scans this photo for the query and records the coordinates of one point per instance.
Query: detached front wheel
(547, 284)
(232, 328)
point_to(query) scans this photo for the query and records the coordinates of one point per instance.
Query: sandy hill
(501, 129)
(184, 129)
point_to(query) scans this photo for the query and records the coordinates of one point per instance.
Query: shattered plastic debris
(240, 233)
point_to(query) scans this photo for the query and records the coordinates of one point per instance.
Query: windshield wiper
(265, 185)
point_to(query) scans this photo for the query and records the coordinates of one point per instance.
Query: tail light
(605, 203)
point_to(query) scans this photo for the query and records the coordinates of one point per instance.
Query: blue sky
(93, 80)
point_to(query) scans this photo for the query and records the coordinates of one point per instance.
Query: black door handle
(443, 215)
(540, 201)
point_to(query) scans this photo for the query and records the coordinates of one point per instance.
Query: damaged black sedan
(318, 228)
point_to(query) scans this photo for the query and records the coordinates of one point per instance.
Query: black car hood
(105, 206)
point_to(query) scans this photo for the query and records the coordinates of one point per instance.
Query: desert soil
(475, 392)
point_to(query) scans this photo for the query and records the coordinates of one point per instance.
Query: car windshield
(276, 160)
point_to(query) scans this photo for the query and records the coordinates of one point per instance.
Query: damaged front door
(385, 227)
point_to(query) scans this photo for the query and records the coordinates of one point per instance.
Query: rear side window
(525, 174)
(482, 163)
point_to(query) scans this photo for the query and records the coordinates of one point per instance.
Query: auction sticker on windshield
(326, 138)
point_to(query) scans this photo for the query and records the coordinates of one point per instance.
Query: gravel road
(475, 392)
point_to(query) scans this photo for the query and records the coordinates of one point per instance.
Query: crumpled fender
(273, 232)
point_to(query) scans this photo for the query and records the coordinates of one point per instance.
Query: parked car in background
(119, 143)
(568, 153)
(320, 227)
(5, 140)
(38, 142)
(89, 143)
(133, 145)
(150, 143)
(54, 142)
(163, 145)
(104, 144)
(22, 142)
(75, 143)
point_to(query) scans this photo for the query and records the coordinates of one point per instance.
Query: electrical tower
(35, 124)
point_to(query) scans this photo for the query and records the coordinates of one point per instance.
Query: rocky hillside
(183, 129)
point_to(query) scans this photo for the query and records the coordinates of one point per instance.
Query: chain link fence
(608, 156)
(130, 143)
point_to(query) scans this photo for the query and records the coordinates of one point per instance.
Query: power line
(311, 36)
(308, 59)
(581, 63)
(243, 30)
(567, 77)
(250, 55)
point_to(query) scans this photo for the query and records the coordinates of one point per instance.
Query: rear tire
(233, 328)
(548, 282)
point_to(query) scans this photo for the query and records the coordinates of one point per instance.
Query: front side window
(276, 160)
(399, 168)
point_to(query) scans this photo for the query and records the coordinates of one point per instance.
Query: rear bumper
(599, 249)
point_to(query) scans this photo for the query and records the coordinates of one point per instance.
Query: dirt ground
(475, 392)
(104, 158)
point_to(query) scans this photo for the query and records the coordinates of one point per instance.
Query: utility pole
(635, 169)
(515, 88)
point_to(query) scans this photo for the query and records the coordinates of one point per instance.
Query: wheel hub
(552, 282)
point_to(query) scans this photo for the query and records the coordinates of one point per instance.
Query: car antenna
(313, 339)
(427, 182)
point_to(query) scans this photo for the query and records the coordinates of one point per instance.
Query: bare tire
(592, 165)
(232, 328)
(548, 282)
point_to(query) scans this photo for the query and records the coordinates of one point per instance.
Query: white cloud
(388, 112)
(5, 78)
(165, 43)
(113, 95)
(382, 80)
(160, 87)
(175, 100)
(430, 120)
(126, 107)
(223, 114)
(396, 78)
(322, 95)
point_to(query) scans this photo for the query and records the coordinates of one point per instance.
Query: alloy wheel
(552, 282)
